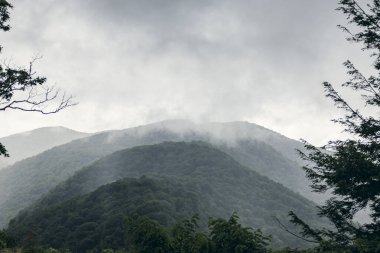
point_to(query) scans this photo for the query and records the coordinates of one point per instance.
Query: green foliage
(3, 151)
(224, 236)
(5, 240)
(95, 221)
(40, 249)
(146, 236)
(186, 239)
(4, 15)
(350, 168)
(113, 251)
(228, 236)
(34, 249)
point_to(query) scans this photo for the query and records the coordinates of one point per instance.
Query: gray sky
(131, 62)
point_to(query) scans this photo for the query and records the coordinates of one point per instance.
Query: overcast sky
(131, 62)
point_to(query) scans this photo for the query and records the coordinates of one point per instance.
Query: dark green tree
(350, 168)
(229, 236)
(5, 241)
(145, 235)
(20, 87)
(186, 239)
(223, 236)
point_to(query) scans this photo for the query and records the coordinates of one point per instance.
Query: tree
(145, 235)
(20, 87)
(186, 239)
(229, 236)
(5, 241)
(350, 168)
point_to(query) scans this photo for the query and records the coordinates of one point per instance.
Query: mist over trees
(26, 180)
(198, 179)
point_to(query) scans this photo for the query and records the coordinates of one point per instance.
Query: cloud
(138, 61)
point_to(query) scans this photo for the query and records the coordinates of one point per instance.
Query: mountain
(253, 146)
(31, 143)
(205, 180)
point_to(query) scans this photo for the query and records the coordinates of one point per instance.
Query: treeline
(224, 236)
(145, 235)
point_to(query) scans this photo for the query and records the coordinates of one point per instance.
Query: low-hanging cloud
(138, 61)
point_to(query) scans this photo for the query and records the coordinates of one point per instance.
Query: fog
(135, 62)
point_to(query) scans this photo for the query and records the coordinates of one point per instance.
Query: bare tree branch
(45, 100)
(292, 233)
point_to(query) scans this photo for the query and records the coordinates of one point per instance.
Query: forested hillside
(28, 180)
(97, 220)
(219, 184)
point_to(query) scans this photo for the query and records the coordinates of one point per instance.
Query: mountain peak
(30, 143)
(48, 129)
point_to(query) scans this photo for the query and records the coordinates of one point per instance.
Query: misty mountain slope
(26, 181)
(31, 143)
(267, 161)
(221, 184)
(240, 130)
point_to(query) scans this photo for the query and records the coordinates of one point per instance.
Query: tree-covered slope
(29, 179)
(97, 220)
(221, 184)
(31, 143)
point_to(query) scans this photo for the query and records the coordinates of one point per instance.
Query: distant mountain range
(262, 150)
(31, 143)
(183, 179)
(83, 163)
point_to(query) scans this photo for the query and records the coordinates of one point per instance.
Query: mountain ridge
(28, 180)
(30, 143)
(221, 184)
